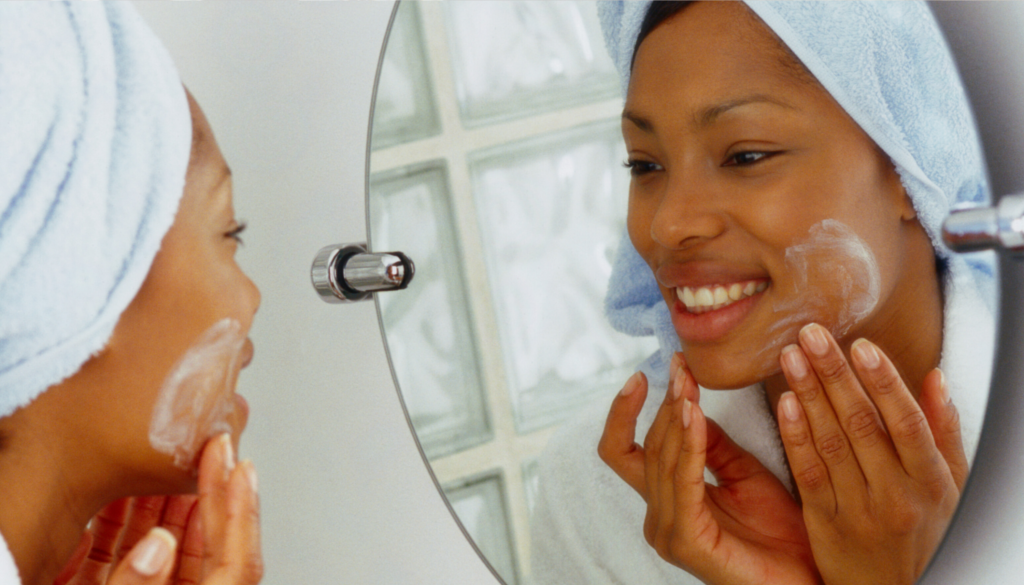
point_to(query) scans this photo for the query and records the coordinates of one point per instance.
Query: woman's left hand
(879, 474)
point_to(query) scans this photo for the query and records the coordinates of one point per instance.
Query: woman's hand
(138, 537)
(746, 530)
(879, 474)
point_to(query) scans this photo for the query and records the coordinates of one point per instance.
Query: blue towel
(95, 136)
(888, 66)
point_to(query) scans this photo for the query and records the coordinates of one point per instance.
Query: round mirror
(496, 164)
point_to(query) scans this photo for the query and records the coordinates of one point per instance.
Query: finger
(241, 561)
(144, 514)
(690, 504)
(70, 570)
(726, 460)
(907, 425)
(190, 556)
(830, 440)
(944, 421)
(215, 468)
(618, 447)
(656, 433)
(176, 514)
(810, 474)
(104, 533)
(149, 563)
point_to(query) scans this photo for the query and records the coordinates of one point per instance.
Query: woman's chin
(717, 372)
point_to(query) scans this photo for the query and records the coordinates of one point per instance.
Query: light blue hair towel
(95, 137)
(888, 66)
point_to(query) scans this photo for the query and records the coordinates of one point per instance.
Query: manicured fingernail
(795, 362)
(677, 384)
(866, 353)
(631, 384)
(813, 336)
(790, 408)
(673, 367)
(687, 412)
(227, 451)
(943, 388)
(153, 552)
(250, 474)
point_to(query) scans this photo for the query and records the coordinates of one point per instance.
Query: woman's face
(177, 349)
(758, 203)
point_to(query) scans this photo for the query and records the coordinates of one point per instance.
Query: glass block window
(512, 59)
(434, 346)
(511, 210)
(479, 503)
(554, 210)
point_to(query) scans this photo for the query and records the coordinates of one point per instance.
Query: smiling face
(758, 203)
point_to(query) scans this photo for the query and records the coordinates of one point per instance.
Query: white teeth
(711, 298)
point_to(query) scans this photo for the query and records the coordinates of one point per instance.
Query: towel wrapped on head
(95, 137)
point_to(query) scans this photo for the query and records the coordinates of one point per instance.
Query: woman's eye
(641, 167)
(746, 158)
(236, 232)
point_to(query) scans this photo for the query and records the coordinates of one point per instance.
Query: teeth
(711, 298)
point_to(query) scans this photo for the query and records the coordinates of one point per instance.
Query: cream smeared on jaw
(196, 401)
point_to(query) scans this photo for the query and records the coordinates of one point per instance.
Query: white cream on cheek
(196, 400)
(834, 281)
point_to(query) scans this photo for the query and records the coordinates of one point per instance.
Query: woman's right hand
(220, 539)
(746, 530)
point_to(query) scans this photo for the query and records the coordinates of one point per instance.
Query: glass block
(479, 502)
(531, 482)
(553, 210)
(427, 326)
(404, 109)
(512, 59)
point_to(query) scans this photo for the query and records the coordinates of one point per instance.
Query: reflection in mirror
(496, 165)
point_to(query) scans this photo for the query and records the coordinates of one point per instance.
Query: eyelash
(236, 233)
(639, 168)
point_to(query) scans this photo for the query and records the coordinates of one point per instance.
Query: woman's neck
(48, 501)
(908, 327)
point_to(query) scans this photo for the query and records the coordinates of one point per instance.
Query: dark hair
(661, 10)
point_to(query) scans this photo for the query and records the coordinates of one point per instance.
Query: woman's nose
(687, 215)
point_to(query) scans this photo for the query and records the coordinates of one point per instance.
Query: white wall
(345, 496)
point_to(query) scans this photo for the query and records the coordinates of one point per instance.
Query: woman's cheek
(832, 278)
(196, 401)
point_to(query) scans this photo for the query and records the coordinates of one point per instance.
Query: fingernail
(790, 408)
(673, 367)
(813, 336)
(631, 385)
(677, 385)
(943, 388)
(153, 552)
(250, 474)
(687, 412)
(866, 353)
(228, 453)
(794, 360)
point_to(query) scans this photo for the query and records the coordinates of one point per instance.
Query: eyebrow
(709, 115)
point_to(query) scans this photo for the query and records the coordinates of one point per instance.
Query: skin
(734, 158)
(85, 442)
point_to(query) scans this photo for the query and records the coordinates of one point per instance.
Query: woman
(790, 164)
(124, 315)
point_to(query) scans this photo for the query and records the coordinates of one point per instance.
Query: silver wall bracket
(346, 273)
(986, 228)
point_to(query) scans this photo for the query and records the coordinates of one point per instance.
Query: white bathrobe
(8, 570)
(587, 525)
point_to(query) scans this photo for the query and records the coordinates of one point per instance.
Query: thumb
(728, 461)
(150, 561)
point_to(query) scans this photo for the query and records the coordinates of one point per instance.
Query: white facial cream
(835, 282)
(196, 400)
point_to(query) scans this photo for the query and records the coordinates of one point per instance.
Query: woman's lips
(702, 322)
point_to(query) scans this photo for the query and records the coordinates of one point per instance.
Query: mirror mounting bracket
(348, 273)
(985, 228)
